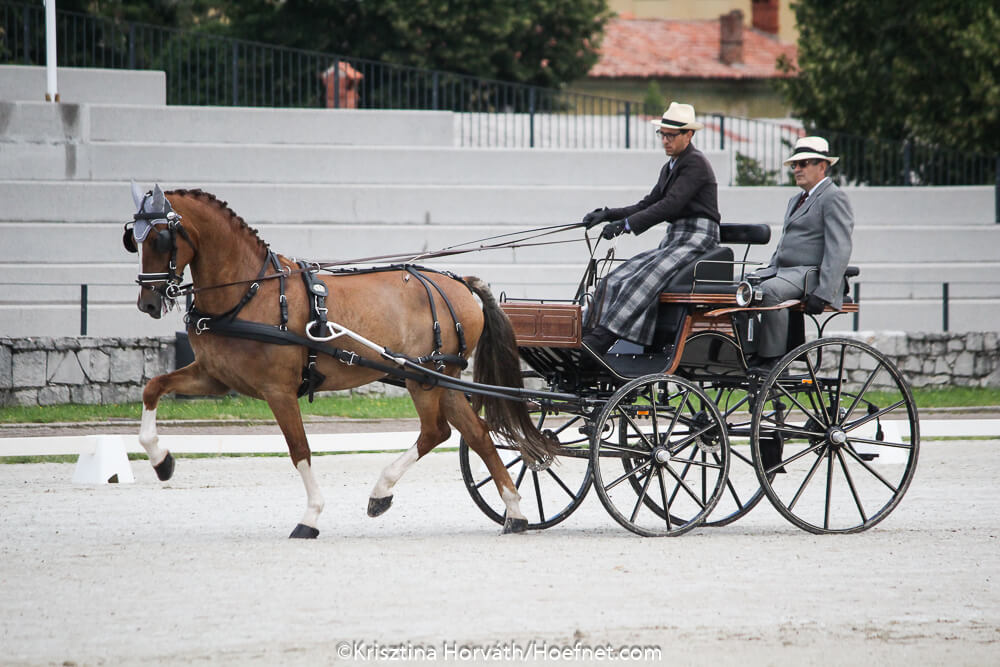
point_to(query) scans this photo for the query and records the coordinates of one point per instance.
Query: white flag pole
(51, 90)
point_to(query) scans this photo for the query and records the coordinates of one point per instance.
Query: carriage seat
(712, 271)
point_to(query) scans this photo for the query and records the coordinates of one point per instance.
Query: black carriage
(683, 433)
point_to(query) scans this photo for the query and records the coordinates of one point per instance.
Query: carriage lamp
(747, 292)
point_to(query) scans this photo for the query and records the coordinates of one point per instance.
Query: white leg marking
(513, 502)
(393, 471)
(149, 439)
(314, 497)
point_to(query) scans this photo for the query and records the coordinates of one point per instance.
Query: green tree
(921, 70)
(543, 42)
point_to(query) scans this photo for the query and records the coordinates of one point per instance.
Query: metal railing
(206, 69)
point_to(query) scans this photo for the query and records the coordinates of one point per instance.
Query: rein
(177, 290)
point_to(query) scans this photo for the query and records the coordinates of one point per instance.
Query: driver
(686, 197)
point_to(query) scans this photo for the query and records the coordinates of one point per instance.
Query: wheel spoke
(628, 474)
(867, 441)
(741, 457)
(538, 496)
(794, 400)
(815, 395)
(520, 477)
(875, 415)
(635, 427)
(624, 450)
(829, 489)
(864, 390)
(640, 497)
(805, 482)
(796, 430)
(560, 483)
(683, 485)
(864, 464)
(840, 379)
(663, 498)
(793, 458)
(850, 484)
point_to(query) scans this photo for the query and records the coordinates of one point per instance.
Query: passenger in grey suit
(813, 252)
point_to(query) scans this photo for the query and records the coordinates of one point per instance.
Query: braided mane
(209, 198)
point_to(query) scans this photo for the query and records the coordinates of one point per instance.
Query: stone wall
(47, 371)
(970, 359)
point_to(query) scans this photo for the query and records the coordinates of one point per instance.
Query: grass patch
(241, 408)
(236, 408)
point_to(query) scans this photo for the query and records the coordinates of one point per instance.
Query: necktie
(800, 202)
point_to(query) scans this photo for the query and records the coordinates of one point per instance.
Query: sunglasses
(802, 164)
(669, 135)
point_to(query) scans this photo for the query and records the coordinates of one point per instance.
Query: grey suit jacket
(815, 245)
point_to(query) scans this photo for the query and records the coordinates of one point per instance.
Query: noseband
(164, 283)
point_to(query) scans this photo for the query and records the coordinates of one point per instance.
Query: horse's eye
(164, 241)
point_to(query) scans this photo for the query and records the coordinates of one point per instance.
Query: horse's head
(166, 250)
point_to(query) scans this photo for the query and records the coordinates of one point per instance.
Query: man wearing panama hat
(813, 252)
(686, 196)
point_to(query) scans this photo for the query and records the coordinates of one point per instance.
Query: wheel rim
(548, 496)
(849, 439)
(659, 456)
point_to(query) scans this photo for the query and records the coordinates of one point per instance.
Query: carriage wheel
(547, 496)
(659, 455)
(713, 359)
(849, 438)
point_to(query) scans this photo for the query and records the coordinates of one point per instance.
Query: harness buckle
(351, 360)
(201, 326)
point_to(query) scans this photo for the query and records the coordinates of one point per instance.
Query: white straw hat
(679, 117)
(812, 147)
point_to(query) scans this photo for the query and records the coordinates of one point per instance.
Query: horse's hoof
(166, 468)
(303, 532)
(378, 506)
(512, 525)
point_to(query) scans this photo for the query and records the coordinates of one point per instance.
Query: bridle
(167, 283)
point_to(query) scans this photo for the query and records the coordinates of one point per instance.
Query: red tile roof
(660, 48)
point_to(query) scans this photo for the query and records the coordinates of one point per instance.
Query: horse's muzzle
(151, 303)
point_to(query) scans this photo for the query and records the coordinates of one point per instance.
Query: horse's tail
(497, 363)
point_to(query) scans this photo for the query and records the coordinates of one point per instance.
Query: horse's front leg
(286, 411)
(193, 380)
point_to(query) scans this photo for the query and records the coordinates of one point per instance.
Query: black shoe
(599, 339)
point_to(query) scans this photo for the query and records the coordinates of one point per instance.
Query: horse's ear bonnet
(152, 209)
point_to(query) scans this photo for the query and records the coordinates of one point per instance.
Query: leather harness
(227, 324)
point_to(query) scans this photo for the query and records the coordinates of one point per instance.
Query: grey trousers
(772, 336)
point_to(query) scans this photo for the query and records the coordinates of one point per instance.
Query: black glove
(814, 305)
(595, 217)
(613, 229)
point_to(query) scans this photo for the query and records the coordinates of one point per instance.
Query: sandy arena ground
(198, 571)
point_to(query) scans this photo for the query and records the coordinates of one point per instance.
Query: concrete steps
(343, 184)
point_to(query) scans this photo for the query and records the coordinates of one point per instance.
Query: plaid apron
(626, 299)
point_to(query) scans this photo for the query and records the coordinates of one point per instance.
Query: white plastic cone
(106, 464)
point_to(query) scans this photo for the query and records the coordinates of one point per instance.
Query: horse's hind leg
(434, 430)
(192, 380)
(286, 411)
(477, 437)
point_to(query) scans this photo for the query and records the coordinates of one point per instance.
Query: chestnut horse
(193, 229)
